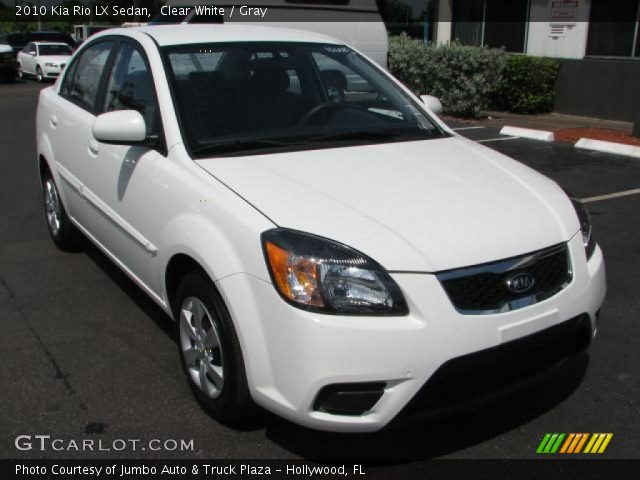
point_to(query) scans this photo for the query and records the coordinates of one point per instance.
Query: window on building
(492, 23)
(416, 18)
(613, 28)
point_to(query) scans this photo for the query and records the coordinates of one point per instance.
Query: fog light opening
(351, 399)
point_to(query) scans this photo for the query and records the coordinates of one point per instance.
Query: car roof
(46, 42)
(166, 35)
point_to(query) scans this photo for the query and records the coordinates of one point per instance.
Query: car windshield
(238, 97)
(61, 49)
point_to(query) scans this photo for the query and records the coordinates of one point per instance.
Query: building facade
(596, 41)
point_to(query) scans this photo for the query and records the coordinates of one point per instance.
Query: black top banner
(280, 11)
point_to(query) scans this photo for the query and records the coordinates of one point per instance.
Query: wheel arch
(178, 266)
(43, 167)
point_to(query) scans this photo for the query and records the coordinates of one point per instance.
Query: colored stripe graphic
(578, 439)
(581, 443)
(607, 439)
(543, 443)
(567, 443)
(598, 443)
(556, 446)
(550, 443)
(591, 442)
(573, 443)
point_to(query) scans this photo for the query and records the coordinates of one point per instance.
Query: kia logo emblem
(520, 283)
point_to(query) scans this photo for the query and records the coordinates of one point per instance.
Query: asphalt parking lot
(86, 355)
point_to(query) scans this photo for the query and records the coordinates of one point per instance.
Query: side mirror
(122, 127)
(432, 103)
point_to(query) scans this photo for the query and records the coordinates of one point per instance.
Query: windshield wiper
(391, 135)
(233, 146)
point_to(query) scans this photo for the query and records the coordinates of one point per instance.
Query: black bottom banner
(292, 469)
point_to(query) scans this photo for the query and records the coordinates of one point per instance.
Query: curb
(608, 147)
(541, 135)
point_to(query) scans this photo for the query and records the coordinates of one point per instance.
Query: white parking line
(466, 128)
(497, 139)
(635, 191)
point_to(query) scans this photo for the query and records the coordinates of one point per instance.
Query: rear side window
(80, 85)
(130, 86)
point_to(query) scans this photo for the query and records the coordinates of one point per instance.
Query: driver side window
(130, 86)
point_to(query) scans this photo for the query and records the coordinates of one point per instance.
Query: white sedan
(327, 247)
(43, 60)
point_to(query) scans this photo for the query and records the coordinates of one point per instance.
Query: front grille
(477, 378)
(483, 289)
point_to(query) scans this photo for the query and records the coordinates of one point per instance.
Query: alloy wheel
(52, 207)
(201, 347)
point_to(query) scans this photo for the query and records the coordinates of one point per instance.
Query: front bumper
(292, 354)
(51, 72)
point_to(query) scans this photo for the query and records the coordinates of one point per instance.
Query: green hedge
(528, 85)
(464, 78)
(469, 80)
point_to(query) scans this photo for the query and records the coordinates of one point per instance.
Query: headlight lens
(585, 226)
(48, 64)
(319, 274)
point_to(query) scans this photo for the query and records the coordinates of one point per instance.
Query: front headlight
(319, 274)
(585, 226)
(53, 65)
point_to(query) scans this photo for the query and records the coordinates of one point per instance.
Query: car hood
(54, 58)
(413, 206)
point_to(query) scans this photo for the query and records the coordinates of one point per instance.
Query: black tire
(20, 73)
(233, 403)
(63, 233)
(39, 75)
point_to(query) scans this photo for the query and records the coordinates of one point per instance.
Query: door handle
(54, 121)
(93, 147)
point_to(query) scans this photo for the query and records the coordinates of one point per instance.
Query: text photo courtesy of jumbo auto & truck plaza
(319, 238)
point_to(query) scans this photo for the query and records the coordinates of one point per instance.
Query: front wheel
(210, 350)
(20, 72)
(39, 75)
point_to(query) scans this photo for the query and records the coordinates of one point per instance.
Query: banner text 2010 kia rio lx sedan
(328, 248)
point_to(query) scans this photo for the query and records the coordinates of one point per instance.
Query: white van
(355, 22)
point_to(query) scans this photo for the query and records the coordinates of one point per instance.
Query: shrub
(464, 78)
(528, 85)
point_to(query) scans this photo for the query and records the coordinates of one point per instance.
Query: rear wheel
(210, 350)
(63, 233)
